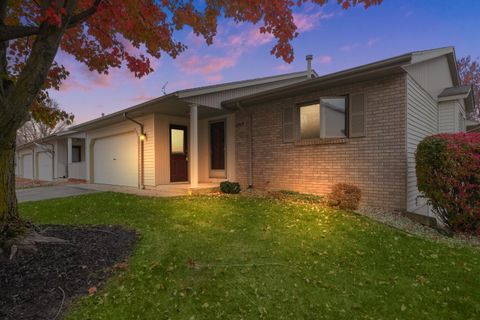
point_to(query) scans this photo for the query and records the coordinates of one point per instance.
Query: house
(473, 126)
(297, 131)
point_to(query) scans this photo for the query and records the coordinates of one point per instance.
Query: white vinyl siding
(422, 121)
(433, 75)
(460, 114)
(446, 117)
(451, 117)
(215, 99)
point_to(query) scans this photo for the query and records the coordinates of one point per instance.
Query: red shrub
(448, 175)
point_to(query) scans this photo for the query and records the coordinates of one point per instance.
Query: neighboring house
(473, 126)
(295, 131)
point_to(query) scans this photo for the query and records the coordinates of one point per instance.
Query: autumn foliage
(448, 175)
(469, 70)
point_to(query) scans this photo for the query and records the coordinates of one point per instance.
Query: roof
(179, 99)
(456, 91)
(238, 84)
(377, 68)
(473, 126)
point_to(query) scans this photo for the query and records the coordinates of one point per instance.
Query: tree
(35, 129)
(98, 33)
(469, 70)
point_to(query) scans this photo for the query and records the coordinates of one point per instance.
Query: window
(310, 121)
(76, 154)
(217, 145)
(177, 137)
(326, 119)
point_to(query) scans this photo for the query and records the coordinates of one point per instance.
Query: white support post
(193, 156)
(69, 150)
(69, 155)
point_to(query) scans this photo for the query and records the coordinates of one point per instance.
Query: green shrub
(230, 187)
(448, 175)
(344, 196)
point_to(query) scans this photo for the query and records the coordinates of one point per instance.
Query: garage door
(115, 160)
(44, 165)
(27, 166)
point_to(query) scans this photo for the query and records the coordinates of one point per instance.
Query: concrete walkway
(66, 190)
(170, 190)
(51, 192)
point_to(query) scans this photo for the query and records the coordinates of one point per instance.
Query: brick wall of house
(375, 163)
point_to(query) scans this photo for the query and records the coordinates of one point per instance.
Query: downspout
(142, 137)
(250, 144)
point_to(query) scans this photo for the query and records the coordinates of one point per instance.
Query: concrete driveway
(51, 192)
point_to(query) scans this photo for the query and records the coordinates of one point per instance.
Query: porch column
(69, 150)
(193, 156)
(69, 156)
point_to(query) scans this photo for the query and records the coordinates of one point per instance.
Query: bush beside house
(448, 175)
(229, 187)
(344, 196)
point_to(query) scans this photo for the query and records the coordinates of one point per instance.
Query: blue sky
(338, 39)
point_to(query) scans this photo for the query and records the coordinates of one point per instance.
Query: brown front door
(178, 153)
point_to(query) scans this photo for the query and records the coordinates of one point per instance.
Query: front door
(178, 153)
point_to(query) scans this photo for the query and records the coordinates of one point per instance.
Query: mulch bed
(40, 285)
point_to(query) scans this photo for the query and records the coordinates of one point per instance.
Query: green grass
(240, 258)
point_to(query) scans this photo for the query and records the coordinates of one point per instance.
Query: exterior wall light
(142, 137)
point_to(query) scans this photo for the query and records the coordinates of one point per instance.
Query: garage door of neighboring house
(27, 166)
(44, 166)
(115, 160)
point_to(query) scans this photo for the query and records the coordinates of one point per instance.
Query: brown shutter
(357, 115)
(288, 124)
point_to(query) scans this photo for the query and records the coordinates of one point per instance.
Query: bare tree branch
(15, 32)
(19, 97)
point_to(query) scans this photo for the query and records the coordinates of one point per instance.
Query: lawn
(233, 257)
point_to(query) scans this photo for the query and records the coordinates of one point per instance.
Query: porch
(169, 190)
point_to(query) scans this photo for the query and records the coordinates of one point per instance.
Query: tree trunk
(10, 222)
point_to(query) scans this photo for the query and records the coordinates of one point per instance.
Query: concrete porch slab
(169, 190)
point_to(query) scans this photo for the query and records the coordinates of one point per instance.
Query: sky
(338, 39)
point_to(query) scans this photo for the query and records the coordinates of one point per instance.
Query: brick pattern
(375, 163)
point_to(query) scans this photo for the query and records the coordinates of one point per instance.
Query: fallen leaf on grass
(92, 290)
(121, 265)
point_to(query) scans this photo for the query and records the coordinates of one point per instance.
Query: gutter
(250, 144)
(141, 183)
(352, 74)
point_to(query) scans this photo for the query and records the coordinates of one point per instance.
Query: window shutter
(288, 124)
(357, 115)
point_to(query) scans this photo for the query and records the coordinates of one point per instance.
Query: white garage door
(27, 166)
(115, 160)
(44, 162)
